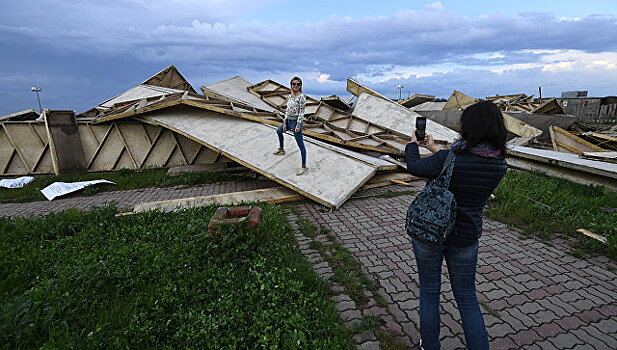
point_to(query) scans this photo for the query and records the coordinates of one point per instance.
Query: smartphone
(420, 128)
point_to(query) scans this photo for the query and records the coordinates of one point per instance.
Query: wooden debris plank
(590, 234)
(601, 136)
(399, 182)
(519, 127)
(386, 179)
(330, 180)
(416, 99)
(336, 102)
(566, 160)
(602, 156)
(564, 141)
(549, 107)
(357, 89)
(267, 195)
(459, 100)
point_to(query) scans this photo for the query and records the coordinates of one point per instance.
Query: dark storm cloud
(82, 53)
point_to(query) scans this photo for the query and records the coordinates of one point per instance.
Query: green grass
(347, 270)
(489, 309)
(388, 341)
(348, 273)
(547, 207)
(368, 323)
(159, 280)
(124, 179)
(307, 228)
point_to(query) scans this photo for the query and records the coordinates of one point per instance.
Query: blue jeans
(291, 125)
(461, 262)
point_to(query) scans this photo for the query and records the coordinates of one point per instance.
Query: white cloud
(487, 55)
(559, 66)
(512, 67)
(323, 78)
(568, 60)
(208, 39)
(569, 19)
(604, 63)
(435, 6)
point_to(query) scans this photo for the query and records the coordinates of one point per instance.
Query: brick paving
(127, 199)
(534, 295)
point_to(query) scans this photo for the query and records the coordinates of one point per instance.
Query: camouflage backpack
(432, 214)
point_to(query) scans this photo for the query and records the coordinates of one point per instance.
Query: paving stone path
(534, 295)
(129, 198)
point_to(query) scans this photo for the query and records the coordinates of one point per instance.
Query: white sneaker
(301, 170)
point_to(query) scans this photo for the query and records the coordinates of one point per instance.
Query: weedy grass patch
(124, 179)
(547, 206)
(160, 280)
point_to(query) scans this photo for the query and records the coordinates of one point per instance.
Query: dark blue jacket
(473, 180)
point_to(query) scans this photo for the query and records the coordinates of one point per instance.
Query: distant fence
(607, 114)
(590, 109)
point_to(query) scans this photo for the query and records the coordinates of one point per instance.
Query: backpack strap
(447, 162)
(448, 166)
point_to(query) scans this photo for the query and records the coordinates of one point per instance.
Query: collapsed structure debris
(164, 122)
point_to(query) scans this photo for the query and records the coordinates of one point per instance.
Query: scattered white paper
(61, 188)
(17, 182)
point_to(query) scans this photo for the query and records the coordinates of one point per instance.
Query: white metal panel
(331, 177)
(566, 160)
(395, 117)
(139, 92)
(237, 88)
(428, 106)
(377, 162)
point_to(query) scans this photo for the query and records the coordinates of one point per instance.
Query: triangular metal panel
(124, 161)
(170, 77)
(162, 150)
(108, 153)
(393, 116)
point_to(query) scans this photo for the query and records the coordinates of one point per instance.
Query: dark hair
(298, 79)
(482, 122)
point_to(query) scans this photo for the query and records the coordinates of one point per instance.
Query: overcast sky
(83, 52)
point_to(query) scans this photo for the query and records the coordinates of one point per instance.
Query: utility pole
(400, 90)
(38, 97)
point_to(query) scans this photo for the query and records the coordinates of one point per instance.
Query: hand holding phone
(420, 128)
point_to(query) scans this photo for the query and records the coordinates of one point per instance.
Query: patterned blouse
(295, 108)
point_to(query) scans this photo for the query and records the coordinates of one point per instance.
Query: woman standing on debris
(479, 167)
(294, 114)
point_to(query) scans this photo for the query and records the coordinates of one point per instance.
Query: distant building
(574, 94)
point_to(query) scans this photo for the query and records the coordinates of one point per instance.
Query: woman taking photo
(294, 113)
(479, 167)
